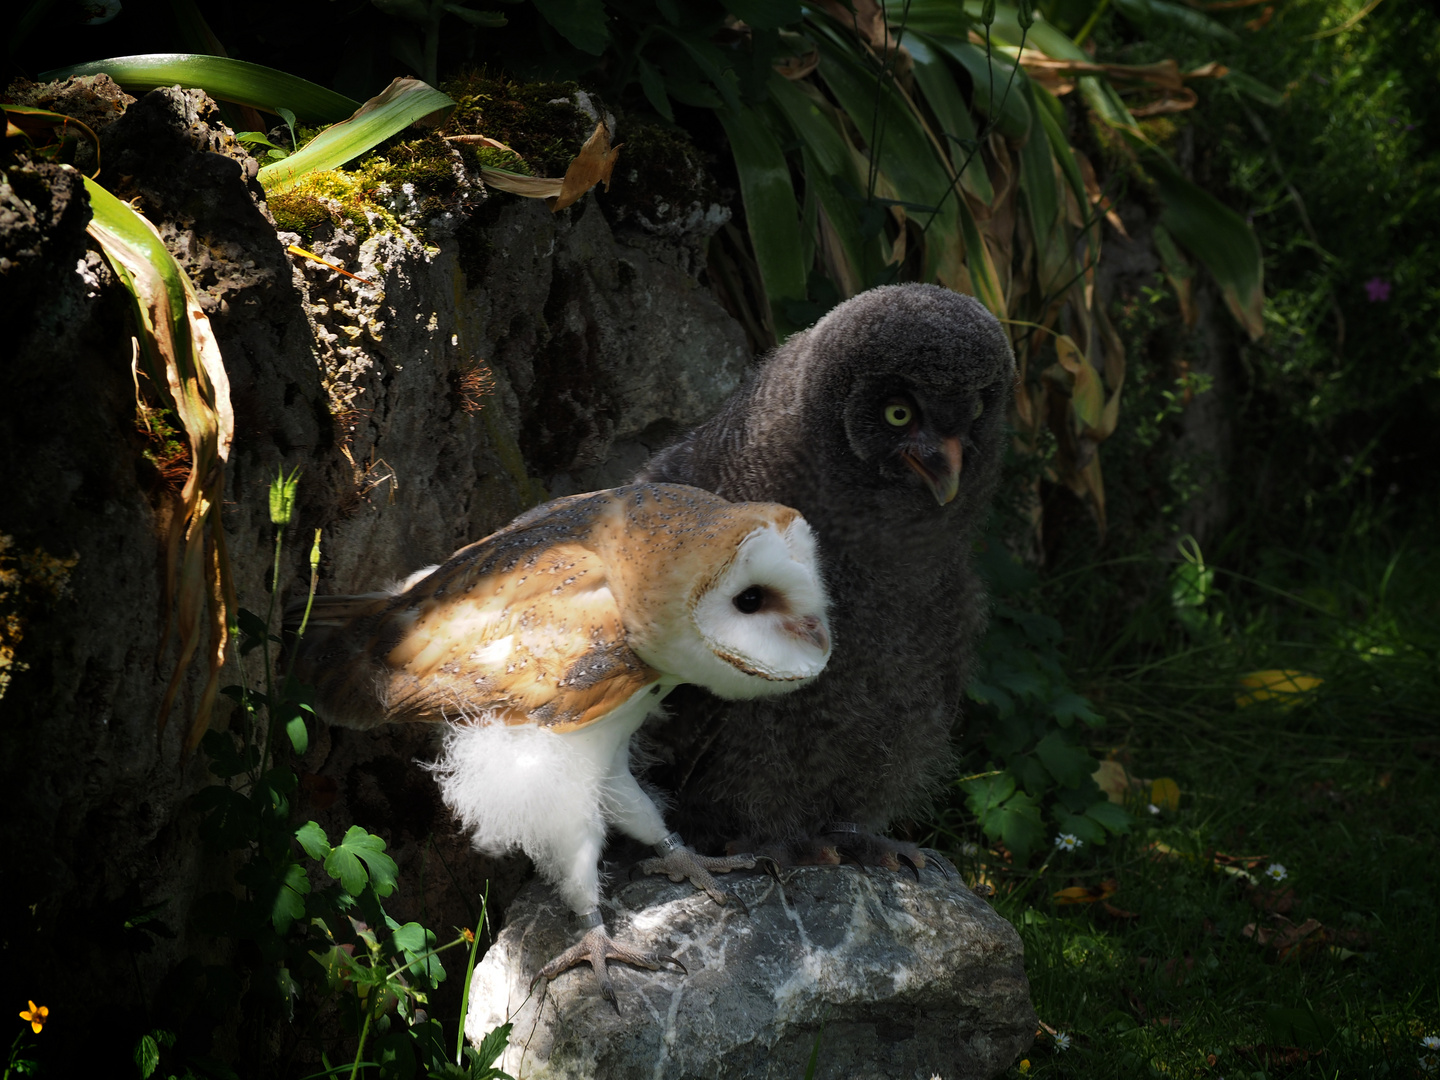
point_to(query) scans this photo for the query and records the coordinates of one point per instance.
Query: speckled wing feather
(515, 626)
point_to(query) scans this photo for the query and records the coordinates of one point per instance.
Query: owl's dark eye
(750, 601)
(899, 414)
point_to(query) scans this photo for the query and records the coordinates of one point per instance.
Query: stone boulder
(894, 978)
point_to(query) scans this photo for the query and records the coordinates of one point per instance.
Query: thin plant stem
(360, 1048)
(14, 1049)
(271, 713)
(469, 968)
(1091, 21)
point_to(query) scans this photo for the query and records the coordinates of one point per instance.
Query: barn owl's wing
(515, 630)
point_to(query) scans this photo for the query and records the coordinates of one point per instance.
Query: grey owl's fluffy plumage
(814, 428)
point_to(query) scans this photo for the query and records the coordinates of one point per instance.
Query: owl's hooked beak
(939, 467)
(809, 629)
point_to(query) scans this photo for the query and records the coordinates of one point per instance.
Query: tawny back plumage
(537, 623)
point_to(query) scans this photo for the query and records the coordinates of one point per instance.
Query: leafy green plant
(177, 348)
(182, 361)
(927, 141)
(1037, 770)
(316, 947)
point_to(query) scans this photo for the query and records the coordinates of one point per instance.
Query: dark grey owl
(883, 425)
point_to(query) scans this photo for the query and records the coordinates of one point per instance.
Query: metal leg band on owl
(672, 842)
(841, 827)
(589, 920)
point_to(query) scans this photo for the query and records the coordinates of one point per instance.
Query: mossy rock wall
(424, 410)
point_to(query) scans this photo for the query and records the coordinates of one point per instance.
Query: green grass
(1342, 789)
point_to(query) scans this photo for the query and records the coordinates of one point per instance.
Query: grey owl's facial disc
(931, 372)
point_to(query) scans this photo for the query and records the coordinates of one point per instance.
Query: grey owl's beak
(939, 467)
(807, 628)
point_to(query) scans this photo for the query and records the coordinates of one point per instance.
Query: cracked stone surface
(906, 979)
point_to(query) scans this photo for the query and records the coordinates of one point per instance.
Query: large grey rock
(895, 978)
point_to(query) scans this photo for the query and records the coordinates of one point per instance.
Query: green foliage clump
(305, 915)
(1023, 732)
(1339, 180)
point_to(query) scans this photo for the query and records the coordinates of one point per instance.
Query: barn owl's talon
(598, 948)
(680, 863)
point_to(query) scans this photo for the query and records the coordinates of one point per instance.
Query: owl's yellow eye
(979, 408)
(898, 414)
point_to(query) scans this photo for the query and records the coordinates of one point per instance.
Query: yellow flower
(1025, 1066)
(468, 935)
(37, 1015)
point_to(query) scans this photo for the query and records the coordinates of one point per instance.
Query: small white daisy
(1276, 872)
(1062, 1041)
(1431, 1042)
(1068, 842)
(1153, 808)
(1429, 1063)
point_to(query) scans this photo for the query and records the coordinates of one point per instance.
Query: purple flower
(1377, 290)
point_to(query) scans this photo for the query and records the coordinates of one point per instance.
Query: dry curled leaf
(1290, 942)
(1082, 894)
(1272, 1055)
(593, 165)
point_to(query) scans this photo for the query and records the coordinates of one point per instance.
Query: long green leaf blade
(132, 246)
(223, 79)
(904, 153)
(1218, 237)
(772, 215)
(829, 167)
(402, 103)
(942, 94)
(995, 93)
(1043, 204)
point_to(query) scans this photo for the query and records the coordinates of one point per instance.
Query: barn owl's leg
(634, 813)
(575, 853)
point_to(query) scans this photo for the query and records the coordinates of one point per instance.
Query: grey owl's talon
(910, 863)
(730, 897)
(940, 862)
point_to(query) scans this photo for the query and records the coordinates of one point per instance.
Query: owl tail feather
(331, 657)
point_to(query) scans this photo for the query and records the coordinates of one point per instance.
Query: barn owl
(543, 647)
(884, 424)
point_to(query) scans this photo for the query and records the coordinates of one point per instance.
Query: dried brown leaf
(593, 165)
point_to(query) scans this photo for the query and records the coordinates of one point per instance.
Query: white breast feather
(523, 786)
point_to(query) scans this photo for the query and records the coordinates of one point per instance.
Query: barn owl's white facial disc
(764, 618)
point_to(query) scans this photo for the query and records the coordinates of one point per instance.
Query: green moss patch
(538, 121)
